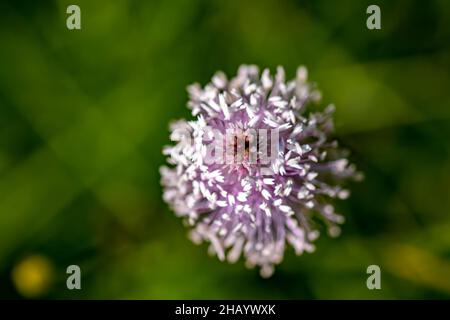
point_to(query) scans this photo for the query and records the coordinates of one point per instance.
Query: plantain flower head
(256, 169)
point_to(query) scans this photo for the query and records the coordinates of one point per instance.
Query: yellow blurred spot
(32, 276)
(418, 265)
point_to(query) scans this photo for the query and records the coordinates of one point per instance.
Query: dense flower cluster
(232, 191)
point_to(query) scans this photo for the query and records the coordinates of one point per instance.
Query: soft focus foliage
(83, 118)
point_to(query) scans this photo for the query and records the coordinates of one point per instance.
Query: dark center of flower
(246, 146)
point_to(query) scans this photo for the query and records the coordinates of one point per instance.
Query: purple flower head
(255, 167)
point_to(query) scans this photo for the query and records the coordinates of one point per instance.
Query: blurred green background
(84, 115)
